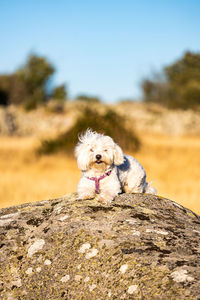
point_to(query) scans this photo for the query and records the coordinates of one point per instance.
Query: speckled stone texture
(140, 247)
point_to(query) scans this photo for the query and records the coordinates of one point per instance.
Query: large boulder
(140, 247)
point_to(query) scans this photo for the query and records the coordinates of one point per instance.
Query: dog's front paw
(104, 199)
(85, 196)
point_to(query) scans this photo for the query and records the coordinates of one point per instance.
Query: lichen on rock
(140, 247)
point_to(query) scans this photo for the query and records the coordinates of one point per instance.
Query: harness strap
(97, 180)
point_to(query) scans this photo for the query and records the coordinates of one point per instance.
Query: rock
(140, 247)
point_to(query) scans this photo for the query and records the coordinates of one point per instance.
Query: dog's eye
(105, 150)
(91, 150)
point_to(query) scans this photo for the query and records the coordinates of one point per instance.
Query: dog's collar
(97, 180)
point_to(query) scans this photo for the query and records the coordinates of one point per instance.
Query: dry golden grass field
(172, 163)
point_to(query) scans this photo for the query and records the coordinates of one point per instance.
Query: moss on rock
(140, 247)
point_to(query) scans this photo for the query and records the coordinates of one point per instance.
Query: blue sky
(101, 48)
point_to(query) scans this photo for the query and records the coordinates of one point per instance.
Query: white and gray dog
(106, 171)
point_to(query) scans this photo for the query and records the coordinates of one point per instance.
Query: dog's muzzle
(98, 156)
(98, 159)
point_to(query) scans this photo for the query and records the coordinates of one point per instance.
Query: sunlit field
(173, 165)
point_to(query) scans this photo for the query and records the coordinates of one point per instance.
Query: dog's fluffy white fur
(97, 155)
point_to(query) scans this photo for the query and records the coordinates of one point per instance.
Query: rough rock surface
(140, 247)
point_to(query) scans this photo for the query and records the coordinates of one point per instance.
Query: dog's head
(96, 150)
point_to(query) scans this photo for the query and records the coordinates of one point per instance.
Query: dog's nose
(98, 156)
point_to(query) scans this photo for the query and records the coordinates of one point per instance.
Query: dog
(106, 170)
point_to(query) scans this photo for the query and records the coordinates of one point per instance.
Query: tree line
(30, 85)
(176, 86)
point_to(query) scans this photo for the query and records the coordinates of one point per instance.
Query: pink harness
(97, 181)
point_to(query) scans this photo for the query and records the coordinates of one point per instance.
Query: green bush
(110, 123)
(12, 90)
(88, 99)
(30, 84)
(59, 93)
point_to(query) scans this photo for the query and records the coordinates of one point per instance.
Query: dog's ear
(81, 156)
(118, 155)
